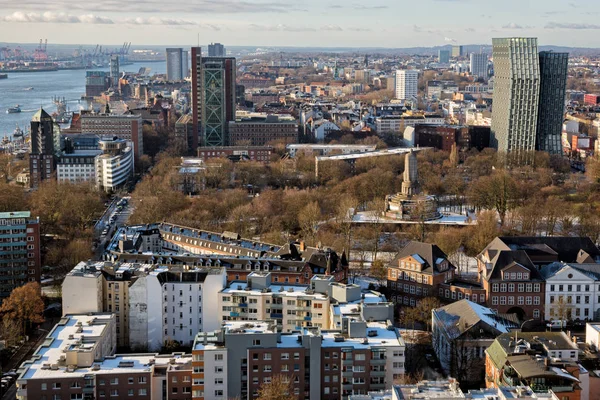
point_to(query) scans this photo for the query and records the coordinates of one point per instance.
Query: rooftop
(379, 334)
(15, 214)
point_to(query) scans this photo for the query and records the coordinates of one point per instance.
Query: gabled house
(512, 282)
(461, 333)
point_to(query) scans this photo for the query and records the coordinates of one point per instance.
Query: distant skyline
(314, 23)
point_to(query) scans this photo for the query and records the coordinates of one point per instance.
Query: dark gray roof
(428, 252)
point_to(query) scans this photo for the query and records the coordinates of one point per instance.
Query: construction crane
(40, 53)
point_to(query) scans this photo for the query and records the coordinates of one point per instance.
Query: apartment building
(237, 153)
(320, 365)
(152, 304)
(293, 262)
(115, 166)
(20, 251)
(77, 361)
(397, 123)
(260, 130)
(291, 306)
(127, 127)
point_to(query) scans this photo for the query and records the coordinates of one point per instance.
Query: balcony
(276, 315)
(378, 361)
(243, 305)
(234, 314)
(377, 373)
(308, 318)
(348, 361)
(88, 389)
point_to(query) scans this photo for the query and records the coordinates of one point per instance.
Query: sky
(310, 23)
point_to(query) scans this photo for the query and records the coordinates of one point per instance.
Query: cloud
(52, 17)
(447, 39)
(365, 7)
(157, 21)
(469, 30)
(280, 28)
(335, 28)
(158, 6)
(512, 25)
(570, 25)
(417, 28)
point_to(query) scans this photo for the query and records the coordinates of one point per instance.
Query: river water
(69, 84)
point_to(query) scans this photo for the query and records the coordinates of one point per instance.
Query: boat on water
(18, 133)
(14, 110)
(29, 88)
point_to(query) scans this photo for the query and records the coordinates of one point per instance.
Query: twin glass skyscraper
(529, 96)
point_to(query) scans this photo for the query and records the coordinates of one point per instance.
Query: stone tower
(410, 183)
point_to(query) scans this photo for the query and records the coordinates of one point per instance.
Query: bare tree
(280, 388)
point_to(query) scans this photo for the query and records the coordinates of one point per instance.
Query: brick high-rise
(213, 98)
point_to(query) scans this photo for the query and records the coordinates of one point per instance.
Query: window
(536, 300)
(511, 287)
(495, 300)
(142, 379)
(174, 379)
(218, 381)
(218, 393)
(255, 342)
(511, 300)
(536, 313)
(358, 368)
(130, 380)
(503, 287)
(218, 370)
(114, 381)
(536, 287)
(267, 368)
(520, 300)
(219, 357)
(502, 300)
(114, 393)
(521, 287)
(359, 357)
(43, 386)
(130, 392)
(494, 287)
(528, 300)
(56, 385)
(76, 396)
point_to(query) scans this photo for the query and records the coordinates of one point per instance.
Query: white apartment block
(115, 166)
(152, 304)
(407, 82)
(572, 291)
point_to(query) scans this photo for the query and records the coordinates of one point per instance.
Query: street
(118, 218)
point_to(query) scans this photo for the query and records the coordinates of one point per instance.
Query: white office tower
(479, 65)
(406, 84)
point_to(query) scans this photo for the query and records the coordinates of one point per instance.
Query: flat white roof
(384, 338)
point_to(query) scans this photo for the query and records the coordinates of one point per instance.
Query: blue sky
(371, 23)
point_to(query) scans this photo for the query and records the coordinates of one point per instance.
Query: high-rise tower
(175, 64)
(553, 84)
(516, 94)
(41, 159)
(216, 50)
(479, 65)
(114, 70)
(213, 97)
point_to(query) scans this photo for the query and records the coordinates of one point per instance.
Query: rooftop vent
(96, 367)
(126, 364)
